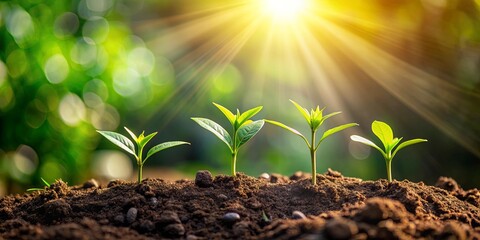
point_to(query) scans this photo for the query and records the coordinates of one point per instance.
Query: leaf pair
(142, 140)
(244, 129)
(385, 133)
(314, 119)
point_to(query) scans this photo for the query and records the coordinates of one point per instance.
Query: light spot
(228, 80)
(84, 52)
(99, 5)
(17, 63)
(96, 28)
(358, 151)
(7, 97)
(112, 165)
(19, 24)
(25, 160)
(66, 25)
(56, 69)
(142, 60)
(127, 82)
(105, 117)
(71, 109)
(98, 87)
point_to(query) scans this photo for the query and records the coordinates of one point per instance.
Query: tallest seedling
(243, 129)
(314, 119)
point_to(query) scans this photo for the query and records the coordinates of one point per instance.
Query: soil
(244, 207)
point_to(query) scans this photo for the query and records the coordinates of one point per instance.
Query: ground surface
(244, 207)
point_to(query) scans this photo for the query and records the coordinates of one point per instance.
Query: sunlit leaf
(383, 132)
(246, 132)
(134, 137)
(230, 116)
(365, 141)
(394, 143)
(303, 111)
(408, 143)
(248, 114)
(216, 129)
(294, 131)
(334, 130)
(119, 140)
(163, 146)
(146, 139)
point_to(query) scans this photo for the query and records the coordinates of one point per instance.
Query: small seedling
(142, 140)
(243, 129)
(384, 132)
(40, 189)
(314, 119)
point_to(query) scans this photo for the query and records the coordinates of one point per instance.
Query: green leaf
(365, 141)
(163, 146)
(146, 139)
(230, 116)
(408, 143)
(134, 137)
(216, 129)
(394, 143)
(337, 129)
(294, 131)
(246, 132)
(303, 111)
(329, 116)
(45, 182)
(384, 132)
(119, 140)
(247, 115)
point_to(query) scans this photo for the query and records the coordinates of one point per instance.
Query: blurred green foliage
(70, 67)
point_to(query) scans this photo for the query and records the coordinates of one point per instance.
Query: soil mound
(243, 207)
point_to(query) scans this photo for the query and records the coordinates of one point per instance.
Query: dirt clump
(243, 207)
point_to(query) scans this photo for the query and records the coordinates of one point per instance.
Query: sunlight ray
(424, 93)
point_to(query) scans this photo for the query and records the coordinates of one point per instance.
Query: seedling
(243, 129)
(384, 132)
(314, 119)
(142, 140)
(40, 189)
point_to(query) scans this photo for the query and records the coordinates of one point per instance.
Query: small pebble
(132, 215)
(222, 197)
(153, 201)
(203, 178)
(298, 215)
(264, 176)
(90, 184)
(231, 217)
(169, 217)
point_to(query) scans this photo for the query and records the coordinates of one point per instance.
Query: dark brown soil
(244, 207)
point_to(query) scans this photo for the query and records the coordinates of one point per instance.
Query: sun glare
(284, 10)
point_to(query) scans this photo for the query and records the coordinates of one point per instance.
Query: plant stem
(313, 158)
(388, 163)
(140, 167)
(234, 163)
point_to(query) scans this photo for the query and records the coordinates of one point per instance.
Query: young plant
(142, 140)
(384, 132)
(314, 119)
(40, 189)
(243, 129)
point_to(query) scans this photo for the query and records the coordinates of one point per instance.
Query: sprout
(142, 140)
(314, 119)
(384, 132)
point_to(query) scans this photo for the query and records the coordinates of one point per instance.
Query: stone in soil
(203, 179)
